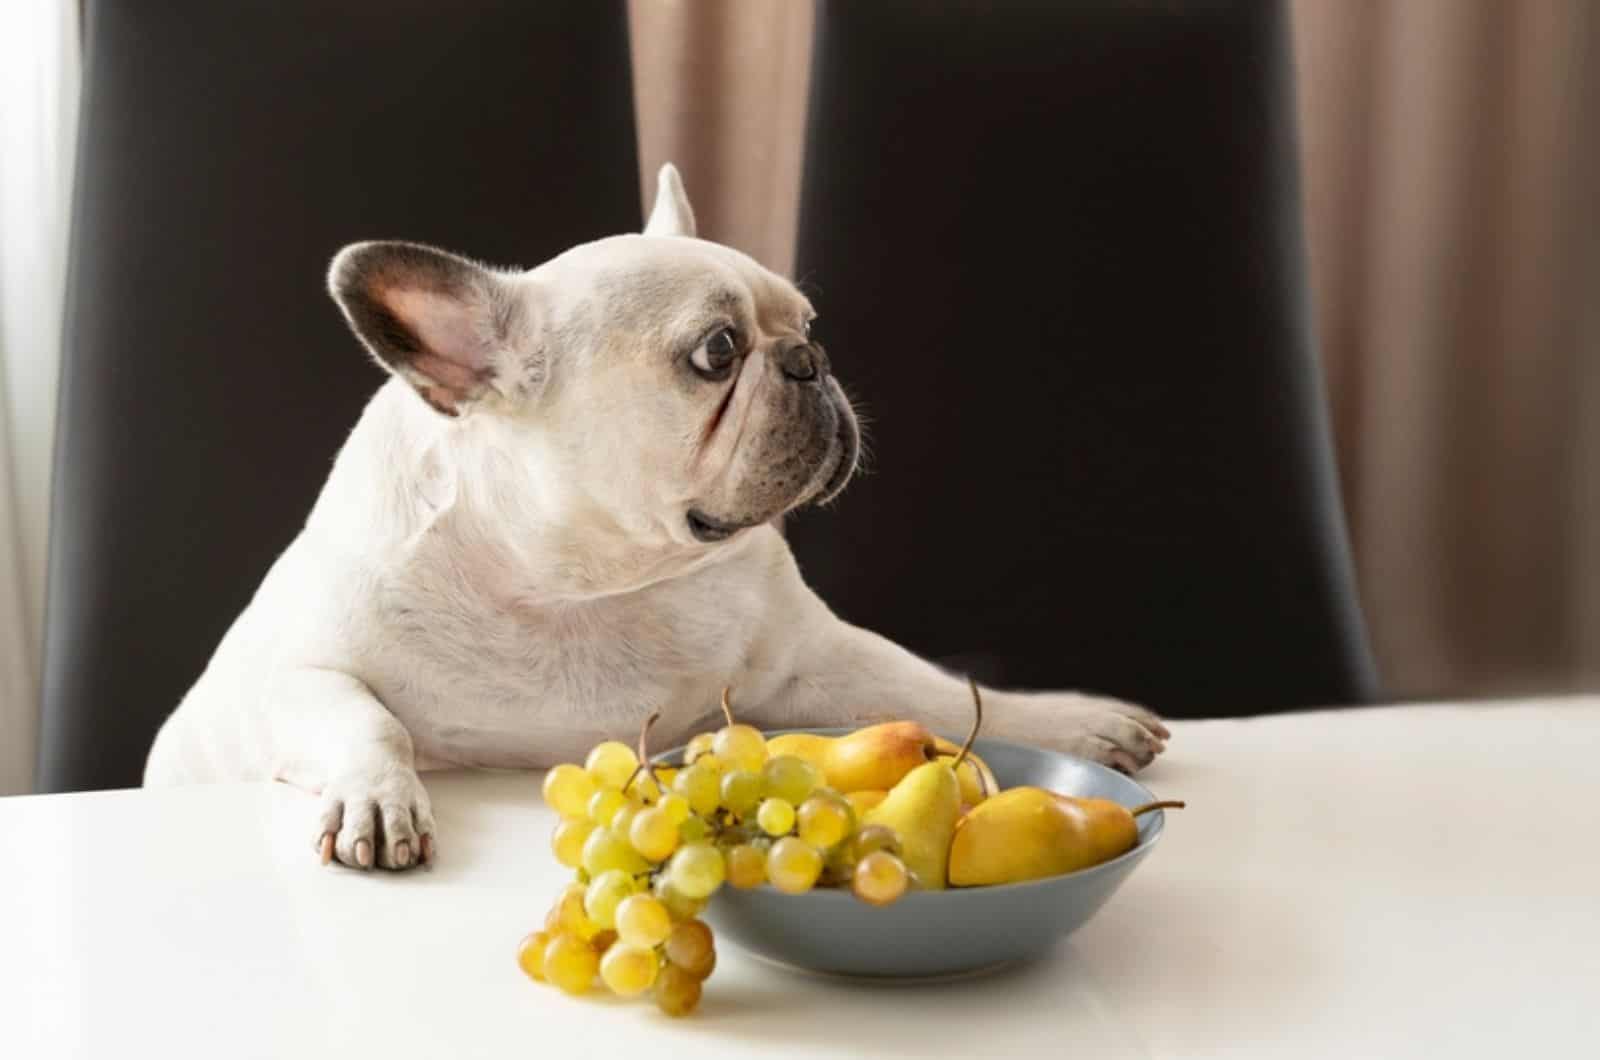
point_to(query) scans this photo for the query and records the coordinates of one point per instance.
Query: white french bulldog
(573, 527)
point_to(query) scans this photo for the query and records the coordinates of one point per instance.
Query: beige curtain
(720, 87)
(1450, 158)
(1451, 176)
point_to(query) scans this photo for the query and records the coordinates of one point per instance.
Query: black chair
(227, 151)
(1057, 251)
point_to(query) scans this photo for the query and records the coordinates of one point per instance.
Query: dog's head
(661, 382)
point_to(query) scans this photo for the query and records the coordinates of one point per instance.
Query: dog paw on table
(382, 819)
(1124, 736)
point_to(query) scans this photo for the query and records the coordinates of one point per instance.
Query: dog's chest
(480, 678)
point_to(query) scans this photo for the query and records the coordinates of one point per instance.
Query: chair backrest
(227, 151)
(1057, 253)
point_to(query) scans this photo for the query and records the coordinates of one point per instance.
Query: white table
(1378, 883)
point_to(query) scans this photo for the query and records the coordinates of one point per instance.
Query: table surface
(1376, 882)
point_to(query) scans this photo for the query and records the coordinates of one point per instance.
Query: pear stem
(977, 723)
(727, 711)
(1167, 804)
(644, 755)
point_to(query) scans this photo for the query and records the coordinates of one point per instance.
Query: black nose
(802, 361)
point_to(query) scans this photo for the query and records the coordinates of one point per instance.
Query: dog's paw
(1122, 735)
(381, 819)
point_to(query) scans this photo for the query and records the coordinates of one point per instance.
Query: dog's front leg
(330, 735)
(844, 675)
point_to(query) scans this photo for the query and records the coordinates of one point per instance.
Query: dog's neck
(423, 485)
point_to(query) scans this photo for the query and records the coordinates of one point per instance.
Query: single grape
(741, 746)
(776, 816)
(623, 821)
(629, 970)
(691, 947)
(714, 762)
(679, 906)
(643, 788)
(677, 992)
(675, 806)
(571, 963)
(605, 849)
(789, 778)
(605, 804)
(568, 839)
(610, 764)
(643, 921)
(747, 866)
(880, 878)
(822, 822)
(872, 838)
(741, 791)
(693, 829)
(653, 834)
(568, 789)
(699, 744)
(530, 955)
(696, 870)
(701, 787)
(572, 918)
(793, 865)
(605, 893)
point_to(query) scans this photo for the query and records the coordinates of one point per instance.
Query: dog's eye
(714, 359)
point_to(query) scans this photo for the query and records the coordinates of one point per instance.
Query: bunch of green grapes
(649, 845)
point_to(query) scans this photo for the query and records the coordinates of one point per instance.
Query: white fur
(509, 587)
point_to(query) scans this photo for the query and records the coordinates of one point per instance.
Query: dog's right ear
(442, 323)
(672, 214)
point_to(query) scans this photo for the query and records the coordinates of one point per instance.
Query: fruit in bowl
(828, 850)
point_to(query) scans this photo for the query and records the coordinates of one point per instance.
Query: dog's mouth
(825, 483)
(848, 448)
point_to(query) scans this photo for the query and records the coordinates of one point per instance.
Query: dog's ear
(442, 323)
(672, 215)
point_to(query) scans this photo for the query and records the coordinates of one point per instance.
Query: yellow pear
(1030, 833)
(923, 809)
(874, 758)
(862, 801)
(807, 745)
(977, 779)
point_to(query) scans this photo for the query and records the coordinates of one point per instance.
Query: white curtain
(39, 76)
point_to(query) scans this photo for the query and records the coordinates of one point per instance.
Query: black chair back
(1057, 252)
(227, 151)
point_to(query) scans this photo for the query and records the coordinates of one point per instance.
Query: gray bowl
(929, 934)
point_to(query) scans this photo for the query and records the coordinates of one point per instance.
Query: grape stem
(727, 711)
(1168, 804)
(644, 755)
(977, 723)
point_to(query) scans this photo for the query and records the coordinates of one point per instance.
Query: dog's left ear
(672, 215)
(442, 323)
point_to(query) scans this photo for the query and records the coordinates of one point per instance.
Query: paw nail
(364, 853)
(327, 847)
(427, 850)
(402, 853)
